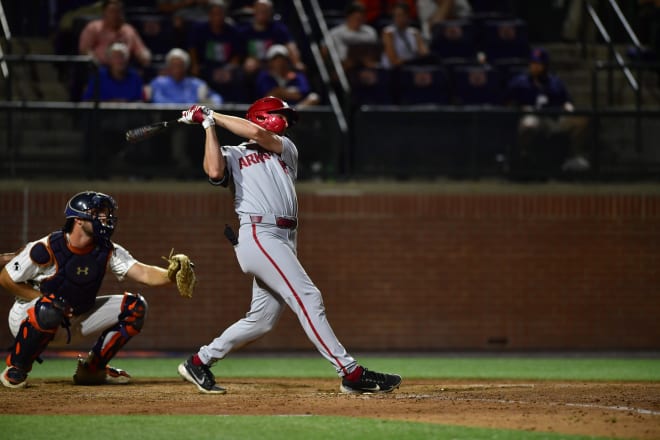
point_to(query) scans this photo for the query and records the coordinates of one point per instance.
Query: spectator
(431, 12)
(176, 86)
(538, 89)
(65, 38)
(184, 13)
(379, 12)
(402, 43)
(261, 33)
(99, 34)
(116, 81)
(354, 31)
(184, 10)
(217, 51)
(280, 80)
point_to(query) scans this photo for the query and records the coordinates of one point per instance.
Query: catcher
(56, 280)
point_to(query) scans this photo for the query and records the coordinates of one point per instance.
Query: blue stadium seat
(371, 86)
(453, 39)
(423, 85)
(504, 38)
(477, 84)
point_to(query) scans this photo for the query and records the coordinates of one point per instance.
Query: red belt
(280, 222)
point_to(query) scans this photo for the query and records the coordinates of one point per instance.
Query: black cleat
(201, 376)
(371, 382)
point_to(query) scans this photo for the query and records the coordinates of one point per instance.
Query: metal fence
(86, 140)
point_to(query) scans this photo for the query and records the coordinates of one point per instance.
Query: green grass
(317, 427)
(411, 367)
(245, 428)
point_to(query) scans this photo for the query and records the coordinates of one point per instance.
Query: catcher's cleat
(108, 375)
(364, 381)
(201, 376)
(116, 376)
(14, 377)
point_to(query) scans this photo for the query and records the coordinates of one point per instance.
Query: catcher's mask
(262, 111)
(96, 207)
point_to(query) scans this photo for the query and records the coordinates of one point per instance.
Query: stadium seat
(504, 39)
(422, 85)
(453, 39)
(476, 85)
(371, 86)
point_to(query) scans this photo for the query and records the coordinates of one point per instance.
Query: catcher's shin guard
(131, 320)
(36, 332)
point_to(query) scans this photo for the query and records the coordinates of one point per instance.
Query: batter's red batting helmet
(261, 113)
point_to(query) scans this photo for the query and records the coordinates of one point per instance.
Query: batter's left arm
(249, 130)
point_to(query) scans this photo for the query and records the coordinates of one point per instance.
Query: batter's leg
(265, 311)
(269, 256)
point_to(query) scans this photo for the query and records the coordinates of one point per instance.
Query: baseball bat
(146, 131)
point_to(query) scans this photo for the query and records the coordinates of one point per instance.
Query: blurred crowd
(230, 51)
(391, 52)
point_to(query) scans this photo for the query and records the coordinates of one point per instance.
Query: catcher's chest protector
(78, 277)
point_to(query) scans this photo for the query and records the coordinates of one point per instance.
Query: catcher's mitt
(180, 271)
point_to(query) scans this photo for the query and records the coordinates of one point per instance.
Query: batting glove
(198, 114)
(208, 117)
(193, 115)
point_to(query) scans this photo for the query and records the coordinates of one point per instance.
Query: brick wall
(512, 270)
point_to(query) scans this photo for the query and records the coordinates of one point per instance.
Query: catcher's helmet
(87, 205)
(261, 113)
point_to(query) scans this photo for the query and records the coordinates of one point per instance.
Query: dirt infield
(624, 410)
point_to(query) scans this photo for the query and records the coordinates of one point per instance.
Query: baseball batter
(261, 173)
(55, 280)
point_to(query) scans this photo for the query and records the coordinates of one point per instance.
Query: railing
(335, 103)
(615, 61)
(613, 55)
(391, 142)
(6, 33)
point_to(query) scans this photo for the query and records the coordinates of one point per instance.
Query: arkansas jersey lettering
(253, 159)
(257, 158)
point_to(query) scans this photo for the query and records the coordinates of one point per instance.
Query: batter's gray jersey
(264, 181)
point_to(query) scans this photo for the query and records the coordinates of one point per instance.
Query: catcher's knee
(133, 311)
(47, 314)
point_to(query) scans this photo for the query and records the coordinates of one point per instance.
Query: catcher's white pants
(87, 326)
(269, 253)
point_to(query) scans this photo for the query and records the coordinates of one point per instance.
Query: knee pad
(131, 319)
(36, 332)
(133, 311)
(48, 313)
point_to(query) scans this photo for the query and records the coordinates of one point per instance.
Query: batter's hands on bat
(180, 271)
(198, 114)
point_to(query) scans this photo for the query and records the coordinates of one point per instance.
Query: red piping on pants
(295, 295)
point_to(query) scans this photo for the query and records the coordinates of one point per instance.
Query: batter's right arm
(214, 162)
